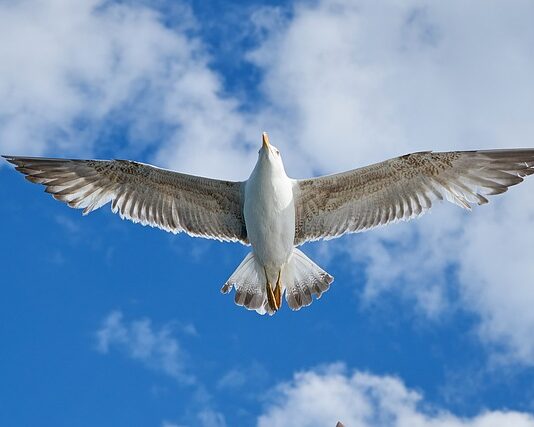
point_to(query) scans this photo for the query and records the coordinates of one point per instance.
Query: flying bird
(274, 213)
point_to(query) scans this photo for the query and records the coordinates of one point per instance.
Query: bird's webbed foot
(274, 297)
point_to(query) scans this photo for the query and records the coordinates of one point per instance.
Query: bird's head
(269, 154)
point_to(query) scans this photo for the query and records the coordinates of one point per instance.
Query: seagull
(274, 213)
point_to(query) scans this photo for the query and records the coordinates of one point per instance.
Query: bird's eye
(277, 152)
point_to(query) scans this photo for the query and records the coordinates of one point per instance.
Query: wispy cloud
(71, 226)
(210, 418)
(232, 379)
(330, 394)
(206, 417)
(157, 349)
(246, 375)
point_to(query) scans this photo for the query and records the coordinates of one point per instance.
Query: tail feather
(249, 282)
(301, 279)
(307, 279)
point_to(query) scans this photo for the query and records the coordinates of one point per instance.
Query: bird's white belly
(269, 212)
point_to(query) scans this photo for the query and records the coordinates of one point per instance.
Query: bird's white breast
(269, 212)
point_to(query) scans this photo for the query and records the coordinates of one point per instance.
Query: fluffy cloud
(324, 397)
(351, 83)
(157, 349)
(71, 74)
(400, 77)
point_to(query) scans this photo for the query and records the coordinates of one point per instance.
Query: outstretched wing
(157, 197)
(403, 188)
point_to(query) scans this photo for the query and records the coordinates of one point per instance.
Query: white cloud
(243, 376)
(64, 61)
(362, 80)
(351, 83)
(232, 379)
(211, 418)
(328, 395)
(71, 71)
(206, 417)
(157, 349)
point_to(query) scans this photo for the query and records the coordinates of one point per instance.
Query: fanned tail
(303, 278)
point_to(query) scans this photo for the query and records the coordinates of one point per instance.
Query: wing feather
(143, 193)
(403, 188)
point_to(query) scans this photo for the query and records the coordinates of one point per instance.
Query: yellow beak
(265, 138)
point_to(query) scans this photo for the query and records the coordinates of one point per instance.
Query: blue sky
(104, 322)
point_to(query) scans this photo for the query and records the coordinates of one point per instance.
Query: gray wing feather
(403, 188)
(161, 198)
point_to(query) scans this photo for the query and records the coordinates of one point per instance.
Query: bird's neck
(268, 170)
